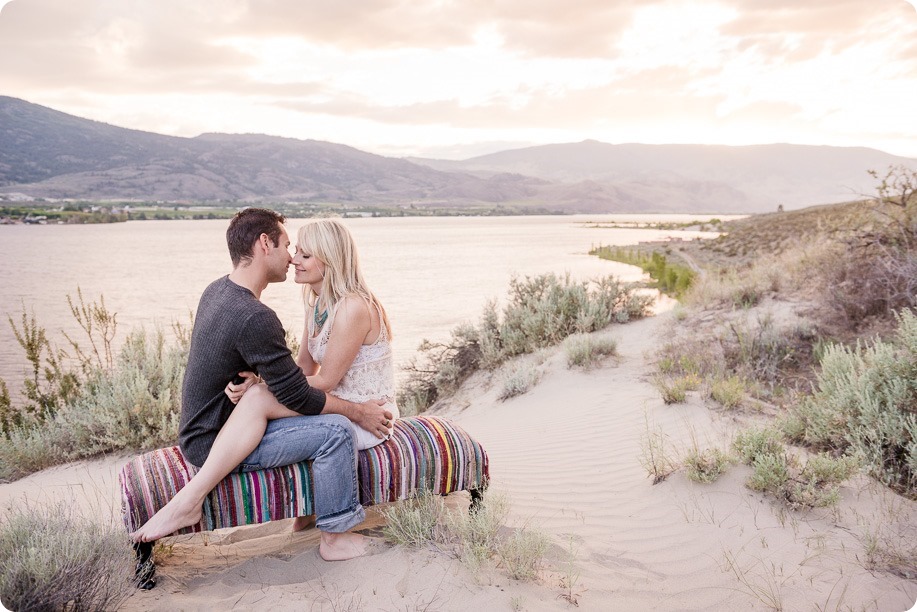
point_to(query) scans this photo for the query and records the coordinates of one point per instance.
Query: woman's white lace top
(371, 375)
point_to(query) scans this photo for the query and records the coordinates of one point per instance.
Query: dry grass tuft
(53, 558)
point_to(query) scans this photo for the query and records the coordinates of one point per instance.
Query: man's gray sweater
(234, 332)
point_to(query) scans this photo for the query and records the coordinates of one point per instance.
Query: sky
(457, 78)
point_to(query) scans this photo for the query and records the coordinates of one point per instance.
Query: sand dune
(567, 456)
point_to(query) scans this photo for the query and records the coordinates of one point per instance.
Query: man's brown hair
(245, 229)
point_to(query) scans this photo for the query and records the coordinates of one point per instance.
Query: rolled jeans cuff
(342, 521)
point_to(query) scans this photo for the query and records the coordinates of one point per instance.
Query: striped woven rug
(423, 454)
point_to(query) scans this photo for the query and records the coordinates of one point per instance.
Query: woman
(346, 349)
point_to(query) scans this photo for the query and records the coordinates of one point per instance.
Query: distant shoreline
(35, 213)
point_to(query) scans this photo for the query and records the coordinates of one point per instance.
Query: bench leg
(145, 574)
(477, 498)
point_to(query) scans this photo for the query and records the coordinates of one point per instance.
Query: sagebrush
(93, 401)
(540, 311)
(55, 558)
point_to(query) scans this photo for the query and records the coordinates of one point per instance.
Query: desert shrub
(741, 288)
(439, 369)
(700, 359)
(519, 380)
(728, 392)
(135, 405)
(53, 558)
(864, 281)
(584, 350)
(475, 534)
(873, 272)
(674, 389)
(864, 405)
(770, 474)
(705, 465)
(50, 384)
(474, 537)
(104, 403)
(414, 522)
(541, 311)
(24, 450)
(522, 553)
(818, 483)
(780, 474)
(752, 443)
(758, 349)
(7, 416)
(655, 455)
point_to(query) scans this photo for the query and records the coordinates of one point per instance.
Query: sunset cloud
(399, 77)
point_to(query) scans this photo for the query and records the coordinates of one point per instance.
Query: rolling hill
(48, 154)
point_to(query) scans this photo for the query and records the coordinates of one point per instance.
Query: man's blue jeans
(326, 439)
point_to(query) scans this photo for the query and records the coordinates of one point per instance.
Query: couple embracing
(247, 405)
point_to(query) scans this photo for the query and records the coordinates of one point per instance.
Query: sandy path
(568, 455)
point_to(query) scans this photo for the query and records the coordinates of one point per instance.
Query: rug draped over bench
(423, 454)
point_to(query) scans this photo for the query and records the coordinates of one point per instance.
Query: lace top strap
(383, 332)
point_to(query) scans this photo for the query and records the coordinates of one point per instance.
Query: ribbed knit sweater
(234, 332)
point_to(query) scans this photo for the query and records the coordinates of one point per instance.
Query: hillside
(49, 154)
(45, 153)
(764, 175)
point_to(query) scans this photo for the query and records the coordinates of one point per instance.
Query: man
(281, 423)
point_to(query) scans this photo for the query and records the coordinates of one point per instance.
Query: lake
(431, 273)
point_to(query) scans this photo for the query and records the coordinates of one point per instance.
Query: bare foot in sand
(342, 546)
(172, 517)
(303, 522)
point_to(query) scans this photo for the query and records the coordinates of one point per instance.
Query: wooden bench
(423, 454)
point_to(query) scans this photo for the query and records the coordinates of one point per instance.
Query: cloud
(111, 46)
(495, 70)
(787, 30)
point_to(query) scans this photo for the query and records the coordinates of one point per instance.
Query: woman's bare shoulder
(353, 307)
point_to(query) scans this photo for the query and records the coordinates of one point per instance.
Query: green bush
(865, 404)
(475, 534)
(519, 381)
(128, 402)
(779, 474)
(134, 406)
(584, 350)
(751, 444)
(673, 279)
(674, 390)
(540, 312)
(414, 522)
(53, 558)
(522, 553)
(770, 474)
(705, 466)
(728, 392)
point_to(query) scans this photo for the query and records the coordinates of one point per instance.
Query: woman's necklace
(319, 318)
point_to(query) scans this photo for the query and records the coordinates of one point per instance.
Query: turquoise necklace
(319, 318)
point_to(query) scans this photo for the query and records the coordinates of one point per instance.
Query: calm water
(430, 273)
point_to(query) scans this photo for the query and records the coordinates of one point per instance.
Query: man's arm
(263, 347)
(370, 415)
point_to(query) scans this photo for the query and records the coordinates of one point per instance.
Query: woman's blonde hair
(331, 243)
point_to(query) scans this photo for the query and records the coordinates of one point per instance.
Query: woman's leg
(239, 436)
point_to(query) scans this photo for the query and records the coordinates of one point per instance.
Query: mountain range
(48, 154)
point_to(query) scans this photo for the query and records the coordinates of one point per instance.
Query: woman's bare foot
(303, 522)
(342, 546)
(172, 517)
